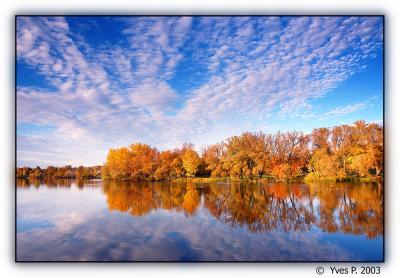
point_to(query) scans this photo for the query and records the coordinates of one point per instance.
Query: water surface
(93, 220)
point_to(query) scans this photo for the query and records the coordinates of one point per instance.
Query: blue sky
(87, 84)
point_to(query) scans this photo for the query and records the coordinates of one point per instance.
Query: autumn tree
(142, 161)
(168, 166)
(213, 156)
(117, 164)
(79, 172)
(289, 154)
(36, 173)
(50, 172)
(347, 150)
(246, 155)
(190, 162)
(366, 153)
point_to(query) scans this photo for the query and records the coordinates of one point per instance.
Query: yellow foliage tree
(191, 162)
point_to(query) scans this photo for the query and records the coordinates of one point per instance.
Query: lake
(94, 220)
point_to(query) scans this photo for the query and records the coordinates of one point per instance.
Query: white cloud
(122, 93)
(342, 110)
(349, 108)
(154, 95)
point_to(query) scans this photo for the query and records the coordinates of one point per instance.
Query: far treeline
(345, 152)
(65, 172)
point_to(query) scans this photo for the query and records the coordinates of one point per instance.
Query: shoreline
(303, 179)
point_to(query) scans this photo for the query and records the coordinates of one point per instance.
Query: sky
(88, 84)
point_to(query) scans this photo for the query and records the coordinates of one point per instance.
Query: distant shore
(225, 179)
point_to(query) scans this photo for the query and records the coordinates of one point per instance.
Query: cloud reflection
(185, 222)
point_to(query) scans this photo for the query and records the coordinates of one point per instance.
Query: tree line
(52, 172)
(334, 153)
(337, 153)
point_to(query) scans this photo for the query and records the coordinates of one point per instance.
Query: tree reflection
(339, 207)
(191, 200)
(140, 198)
(55, 183)
(355, 209)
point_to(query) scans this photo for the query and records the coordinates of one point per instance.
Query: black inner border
(191, 15)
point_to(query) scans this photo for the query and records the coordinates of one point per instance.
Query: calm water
(122, 221)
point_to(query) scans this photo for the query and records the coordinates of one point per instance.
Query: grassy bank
(314, 178)
(265, 178)
(271, 179)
